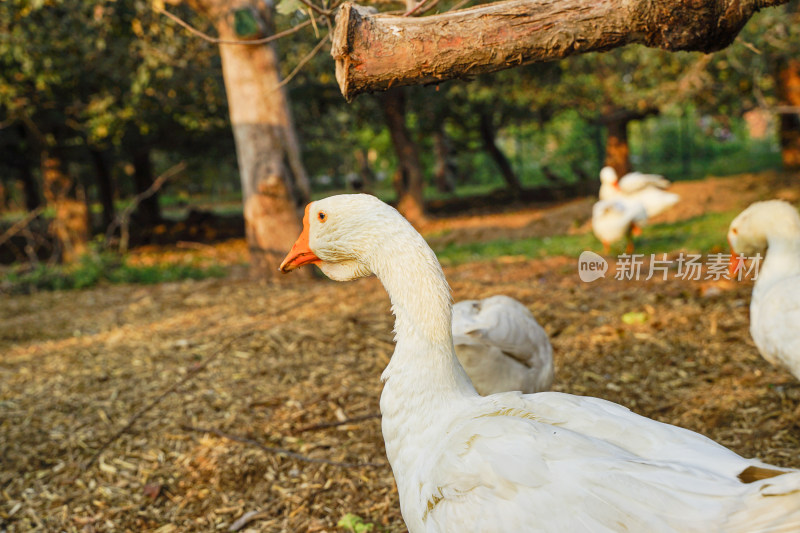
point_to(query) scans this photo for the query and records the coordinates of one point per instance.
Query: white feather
(501, 346)
(613, 220)
(772, 229)
(646, 189)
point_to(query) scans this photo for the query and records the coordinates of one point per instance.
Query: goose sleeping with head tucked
(514, 462)
(501, 346)
(772, 229)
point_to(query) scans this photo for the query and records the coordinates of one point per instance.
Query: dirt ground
(212, 379)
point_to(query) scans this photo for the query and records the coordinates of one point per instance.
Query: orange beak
(736, 262)
(301, 253)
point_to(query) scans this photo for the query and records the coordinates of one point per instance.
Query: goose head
(608, 176)
(350, 236)
(751, 230)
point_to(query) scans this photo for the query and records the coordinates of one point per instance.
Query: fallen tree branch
(155, 401)
(326, 425)
(21, 225)
(280, 451)
(377, 51)
(122, 220)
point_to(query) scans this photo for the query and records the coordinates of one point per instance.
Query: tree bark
(274, 183)
(374, 52)
(789, 94)
(70, 224)
(105, 186)
(148, 212)
(32, 197)
(409, 181)
(489, 144)
(617, 150)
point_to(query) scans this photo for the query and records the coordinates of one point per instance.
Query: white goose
(772, 228)
(501, 346)
(512, 462)
(616, 219)
(647, 189)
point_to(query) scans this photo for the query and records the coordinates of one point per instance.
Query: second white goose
(501, 346)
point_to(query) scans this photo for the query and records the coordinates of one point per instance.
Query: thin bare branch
(217, 40)
(280, 451)
(750, 46)
(321, 11)
(305, 60)
(415, 9)
(459, 5)
(155, 401)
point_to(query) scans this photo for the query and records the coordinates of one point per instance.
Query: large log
(374, 52)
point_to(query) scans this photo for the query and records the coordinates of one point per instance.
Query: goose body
(772, 228)
(501, 346)
(522, 462)
(646, 189)
(613, 220)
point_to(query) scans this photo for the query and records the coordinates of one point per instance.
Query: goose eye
(322, 216)
(734, 231)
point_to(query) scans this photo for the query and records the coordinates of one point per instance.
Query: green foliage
(97, 268)
(689, 146)
(245, 23)
(354, 523)
(703, 234)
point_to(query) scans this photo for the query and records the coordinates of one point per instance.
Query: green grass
(95, 268)
(702, 234)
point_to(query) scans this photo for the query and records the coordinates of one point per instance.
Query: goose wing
(555, 462)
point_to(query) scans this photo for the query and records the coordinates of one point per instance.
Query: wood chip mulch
(273, 427)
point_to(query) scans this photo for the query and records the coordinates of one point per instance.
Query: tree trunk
(274, 183)
(31, 190)
(617, 150)
(789, 94)
(105, 186)
(70, 225)
(616, 122)
(488, 138)
(148, 212)
(365, 173)
(25, 164)
(443, 173)
(409, 181)
(374, 52)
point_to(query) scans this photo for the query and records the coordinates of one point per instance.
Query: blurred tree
(274, 182)
(105, 80)
(409, 179)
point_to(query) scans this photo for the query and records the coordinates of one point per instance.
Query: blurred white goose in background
(772, 228)
(548, 461)
(647, 189)
(613, 220)
(501, 346)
